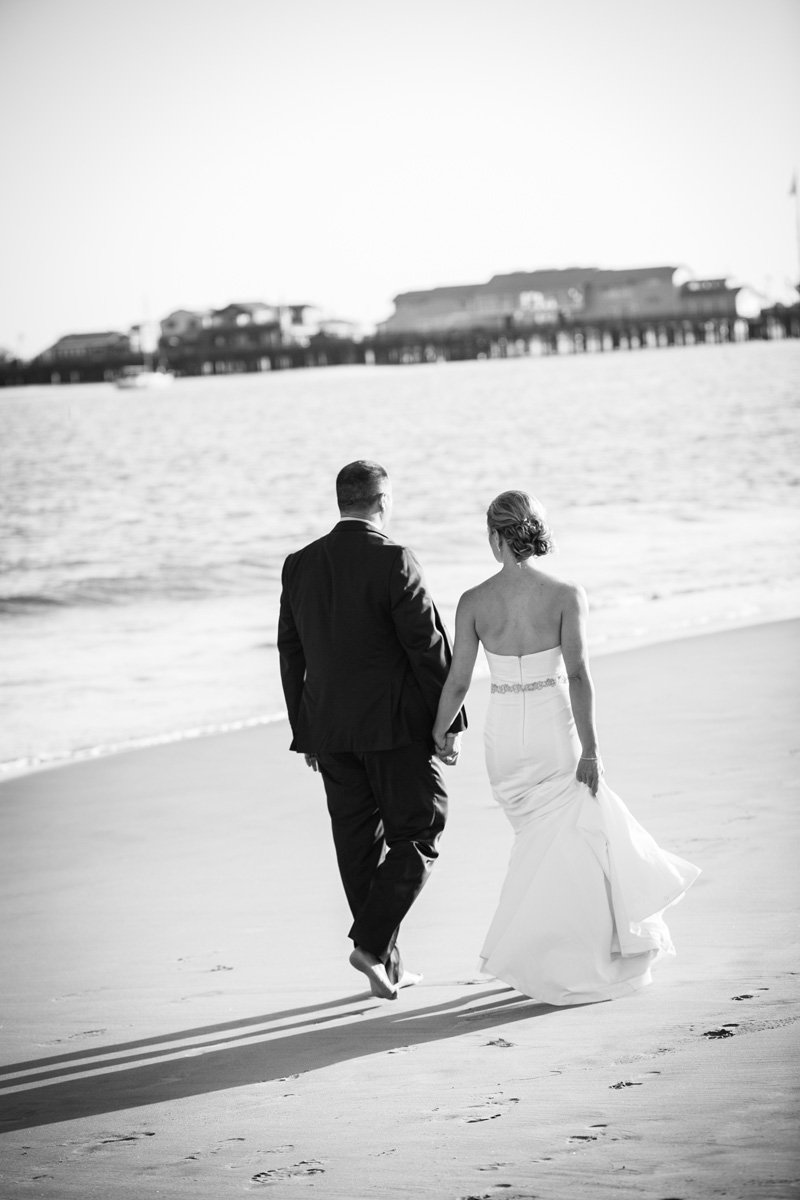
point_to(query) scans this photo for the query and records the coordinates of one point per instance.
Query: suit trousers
(388, 809)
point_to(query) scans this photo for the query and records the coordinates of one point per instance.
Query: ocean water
(142, 536)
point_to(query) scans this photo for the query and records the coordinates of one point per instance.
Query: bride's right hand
(449, 749)
(590, 772)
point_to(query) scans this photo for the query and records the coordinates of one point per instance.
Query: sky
(172, 154)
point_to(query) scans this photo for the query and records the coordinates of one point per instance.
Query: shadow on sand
(235, 1054)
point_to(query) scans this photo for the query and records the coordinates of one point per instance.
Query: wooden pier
(562, 337)
(582, 337)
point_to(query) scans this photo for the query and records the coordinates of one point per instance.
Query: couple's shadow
(252, 1050)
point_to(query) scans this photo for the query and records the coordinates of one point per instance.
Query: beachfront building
(227, 340)
(575, 308)
(526, 299)
(300, 322)
(665, 306)
(86, 347)
(643, 292)
(183, 323)
(254, 336)
(87, 357)
(305, 324)
(506, 301)
(719, 298)
(181, 335)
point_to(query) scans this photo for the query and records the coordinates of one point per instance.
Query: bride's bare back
(523, 610)
(520, 613)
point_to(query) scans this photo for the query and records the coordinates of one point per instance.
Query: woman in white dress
(580, 912)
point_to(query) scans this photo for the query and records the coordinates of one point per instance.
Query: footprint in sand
(298, 1171)
(129, 1137)
(501, 1189)
(590, 1137)
(623, 1083)
(85, 1033)
(500, 1042)
(603, 1131)
(218, 1149)
(725, 1031)
(488, 1110)
(114, 1139)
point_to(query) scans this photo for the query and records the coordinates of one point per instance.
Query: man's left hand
(311, 761)
(449, 752)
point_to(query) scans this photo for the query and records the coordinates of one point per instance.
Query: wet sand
(180, 1019)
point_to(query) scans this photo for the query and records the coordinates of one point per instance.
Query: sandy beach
(179, 1017)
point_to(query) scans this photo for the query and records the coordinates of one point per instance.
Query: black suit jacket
(363, 651)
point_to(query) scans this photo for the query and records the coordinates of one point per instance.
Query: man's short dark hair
(359, 484)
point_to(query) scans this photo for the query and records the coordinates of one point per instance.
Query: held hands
(448, 749)
(590, 771)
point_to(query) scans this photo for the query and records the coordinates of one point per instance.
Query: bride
(580, 911)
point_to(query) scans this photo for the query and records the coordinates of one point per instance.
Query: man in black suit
(364, 656)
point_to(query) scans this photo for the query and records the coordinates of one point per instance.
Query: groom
(364, 656)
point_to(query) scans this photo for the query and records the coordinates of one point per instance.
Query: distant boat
(142, 378)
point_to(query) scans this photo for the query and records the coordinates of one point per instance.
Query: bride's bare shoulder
(481, 591)
(566, 590)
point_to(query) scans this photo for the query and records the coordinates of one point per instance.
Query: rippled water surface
(143, 535)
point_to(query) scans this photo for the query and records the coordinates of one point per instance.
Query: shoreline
(601, 646)
(180, 1016)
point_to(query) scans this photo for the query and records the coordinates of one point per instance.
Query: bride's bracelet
(589, 758)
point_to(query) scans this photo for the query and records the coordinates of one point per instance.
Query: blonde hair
(521, 522)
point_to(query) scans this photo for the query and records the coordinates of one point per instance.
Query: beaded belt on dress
(534, 686)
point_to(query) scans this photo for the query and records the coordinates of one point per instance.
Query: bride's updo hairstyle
(520, 521)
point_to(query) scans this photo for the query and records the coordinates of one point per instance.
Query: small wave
(614, 599)
(107, 593)
(29, 603)
(64, 758)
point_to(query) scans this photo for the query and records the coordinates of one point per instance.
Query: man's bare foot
(375, 972)
(408, 979)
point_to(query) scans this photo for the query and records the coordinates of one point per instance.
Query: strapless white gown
(580, 912)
